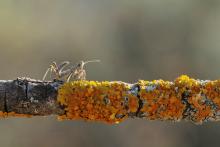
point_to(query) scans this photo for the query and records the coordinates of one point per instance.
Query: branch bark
(25, 96)
(113, 102)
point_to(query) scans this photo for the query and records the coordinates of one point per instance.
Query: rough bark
(113, 102)
(29, 96)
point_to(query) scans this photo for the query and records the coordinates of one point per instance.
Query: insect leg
(61, 66)
(69, 77)
(82, 75)
(44, 77)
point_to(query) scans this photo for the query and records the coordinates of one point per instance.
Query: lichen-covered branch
(113, 102)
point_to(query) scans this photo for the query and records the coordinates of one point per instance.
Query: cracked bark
(29, 96)
(113, 102)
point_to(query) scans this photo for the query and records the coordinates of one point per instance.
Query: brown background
(141, 39)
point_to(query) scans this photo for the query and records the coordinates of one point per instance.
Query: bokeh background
(134, 39)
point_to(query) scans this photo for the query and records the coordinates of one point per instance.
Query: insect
(76, 71)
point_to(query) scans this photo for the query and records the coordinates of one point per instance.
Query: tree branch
(113, 102)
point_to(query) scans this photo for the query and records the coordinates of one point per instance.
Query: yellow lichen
(92, 100)
(112, 102)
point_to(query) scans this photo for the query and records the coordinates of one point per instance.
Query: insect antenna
(95, 60)
(78, 72)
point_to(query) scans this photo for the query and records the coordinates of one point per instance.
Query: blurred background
(141, 39)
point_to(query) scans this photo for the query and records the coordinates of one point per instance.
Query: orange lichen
(112, 102)
(12, 114)
(93, 100)
(161, 102)
(133, 103)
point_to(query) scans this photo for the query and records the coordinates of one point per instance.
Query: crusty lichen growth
(90, 100)
(13, 114)
(113, 102)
